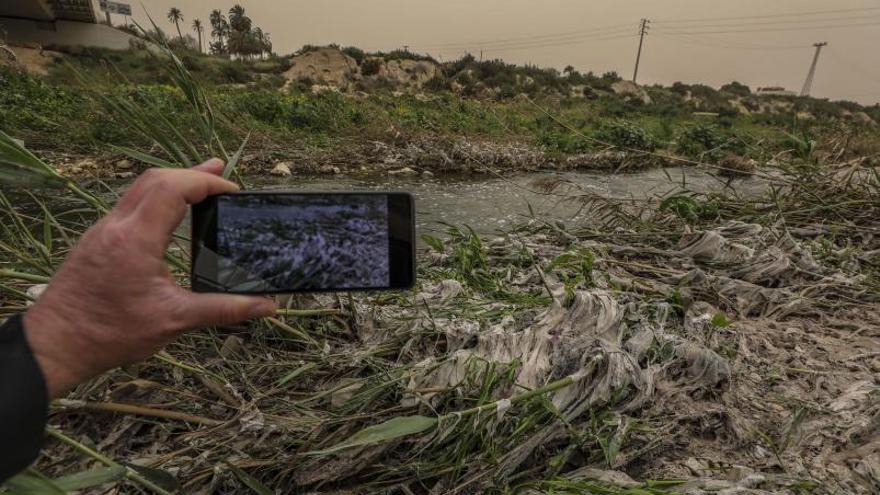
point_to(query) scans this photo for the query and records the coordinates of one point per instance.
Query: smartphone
(278, 242)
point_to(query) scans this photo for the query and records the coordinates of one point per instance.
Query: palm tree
(267, 44)
(260, 41)
(197, 27)
(219, 29)
(175, 16)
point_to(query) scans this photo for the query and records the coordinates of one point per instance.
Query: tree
(263, 44)
(242, 41)
(175, 16)
(238, 21)
(569, 70)
(197, 27)
(219, 30)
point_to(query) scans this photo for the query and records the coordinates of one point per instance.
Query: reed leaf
(392, 429)
(91, 478)
(32, 482)
(143, 157)
(251, 482)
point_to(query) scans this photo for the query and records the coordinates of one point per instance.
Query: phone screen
(303, 242)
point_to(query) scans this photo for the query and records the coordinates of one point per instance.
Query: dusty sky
(705, 41)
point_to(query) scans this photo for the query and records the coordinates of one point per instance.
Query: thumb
(203, 310)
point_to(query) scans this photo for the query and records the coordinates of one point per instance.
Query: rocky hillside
(319, 69)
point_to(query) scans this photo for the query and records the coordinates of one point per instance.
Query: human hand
(114, 300)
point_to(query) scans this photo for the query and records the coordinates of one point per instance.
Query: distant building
(774, 91)
(58, 23)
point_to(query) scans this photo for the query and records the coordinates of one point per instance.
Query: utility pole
(808, 84)
(643, 30)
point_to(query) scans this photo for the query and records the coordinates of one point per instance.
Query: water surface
(489, 204)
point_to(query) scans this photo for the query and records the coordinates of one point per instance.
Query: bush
(236, 74)
(564, 142)
(627, 135)
(736, 88)
(438, 83)
(356, 53)
(371, 66)
(703, 140)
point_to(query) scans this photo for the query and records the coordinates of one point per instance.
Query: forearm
(24, 400)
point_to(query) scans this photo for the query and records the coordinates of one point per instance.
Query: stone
(330, 169)
(125, 175)
(34, 292)
(402, 171)
(733, 166)
(617, 478)
(281, 169)
(427, 174)
(629, 89)
(124, 164)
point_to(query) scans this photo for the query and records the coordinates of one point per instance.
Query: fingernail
(264, 307)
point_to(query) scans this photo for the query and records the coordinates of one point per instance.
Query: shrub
(695, 139)
(564, 142)
(704, 140)
(356, 53)
(371, 66)
(235, 73)
(627, 135)
(438, 83)
(736, 88)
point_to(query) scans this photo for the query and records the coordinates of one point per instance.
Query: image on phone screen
(300, 242)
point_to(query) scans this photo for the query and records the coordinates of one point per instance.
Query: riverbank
(422, 158)
(434, 132)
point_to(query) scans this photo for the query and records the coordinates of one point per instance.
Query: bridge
(60, 23)
(50, 10)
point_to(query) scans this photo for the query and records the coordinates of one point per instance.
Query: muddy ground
(407, 158)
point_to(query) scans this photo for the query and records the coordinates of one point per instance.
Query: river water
(490, 204)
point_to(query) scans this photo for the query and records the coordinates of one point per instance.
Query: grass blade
(252, 483)
(32, 482)
(144, 157)
(91, 478)
(233, 162)
(389, 430)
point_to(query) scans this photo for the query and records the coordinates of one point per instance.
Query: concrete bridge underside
(50, 10)
(51, 23)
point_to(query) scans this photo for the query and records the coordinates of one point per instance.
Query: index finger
(163, 203)
(132, 197)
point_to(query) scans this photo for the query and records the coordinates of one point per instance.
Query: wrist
(57, 350)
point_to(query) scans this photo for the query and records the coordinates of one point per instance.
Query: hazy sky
(689, 40)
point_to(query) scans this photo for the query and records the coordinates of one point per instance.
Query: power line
(522, 39)
(773, 30)
(537, 45)
(792, 14)
(702, 41)
(560, 39)
(732, 24)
